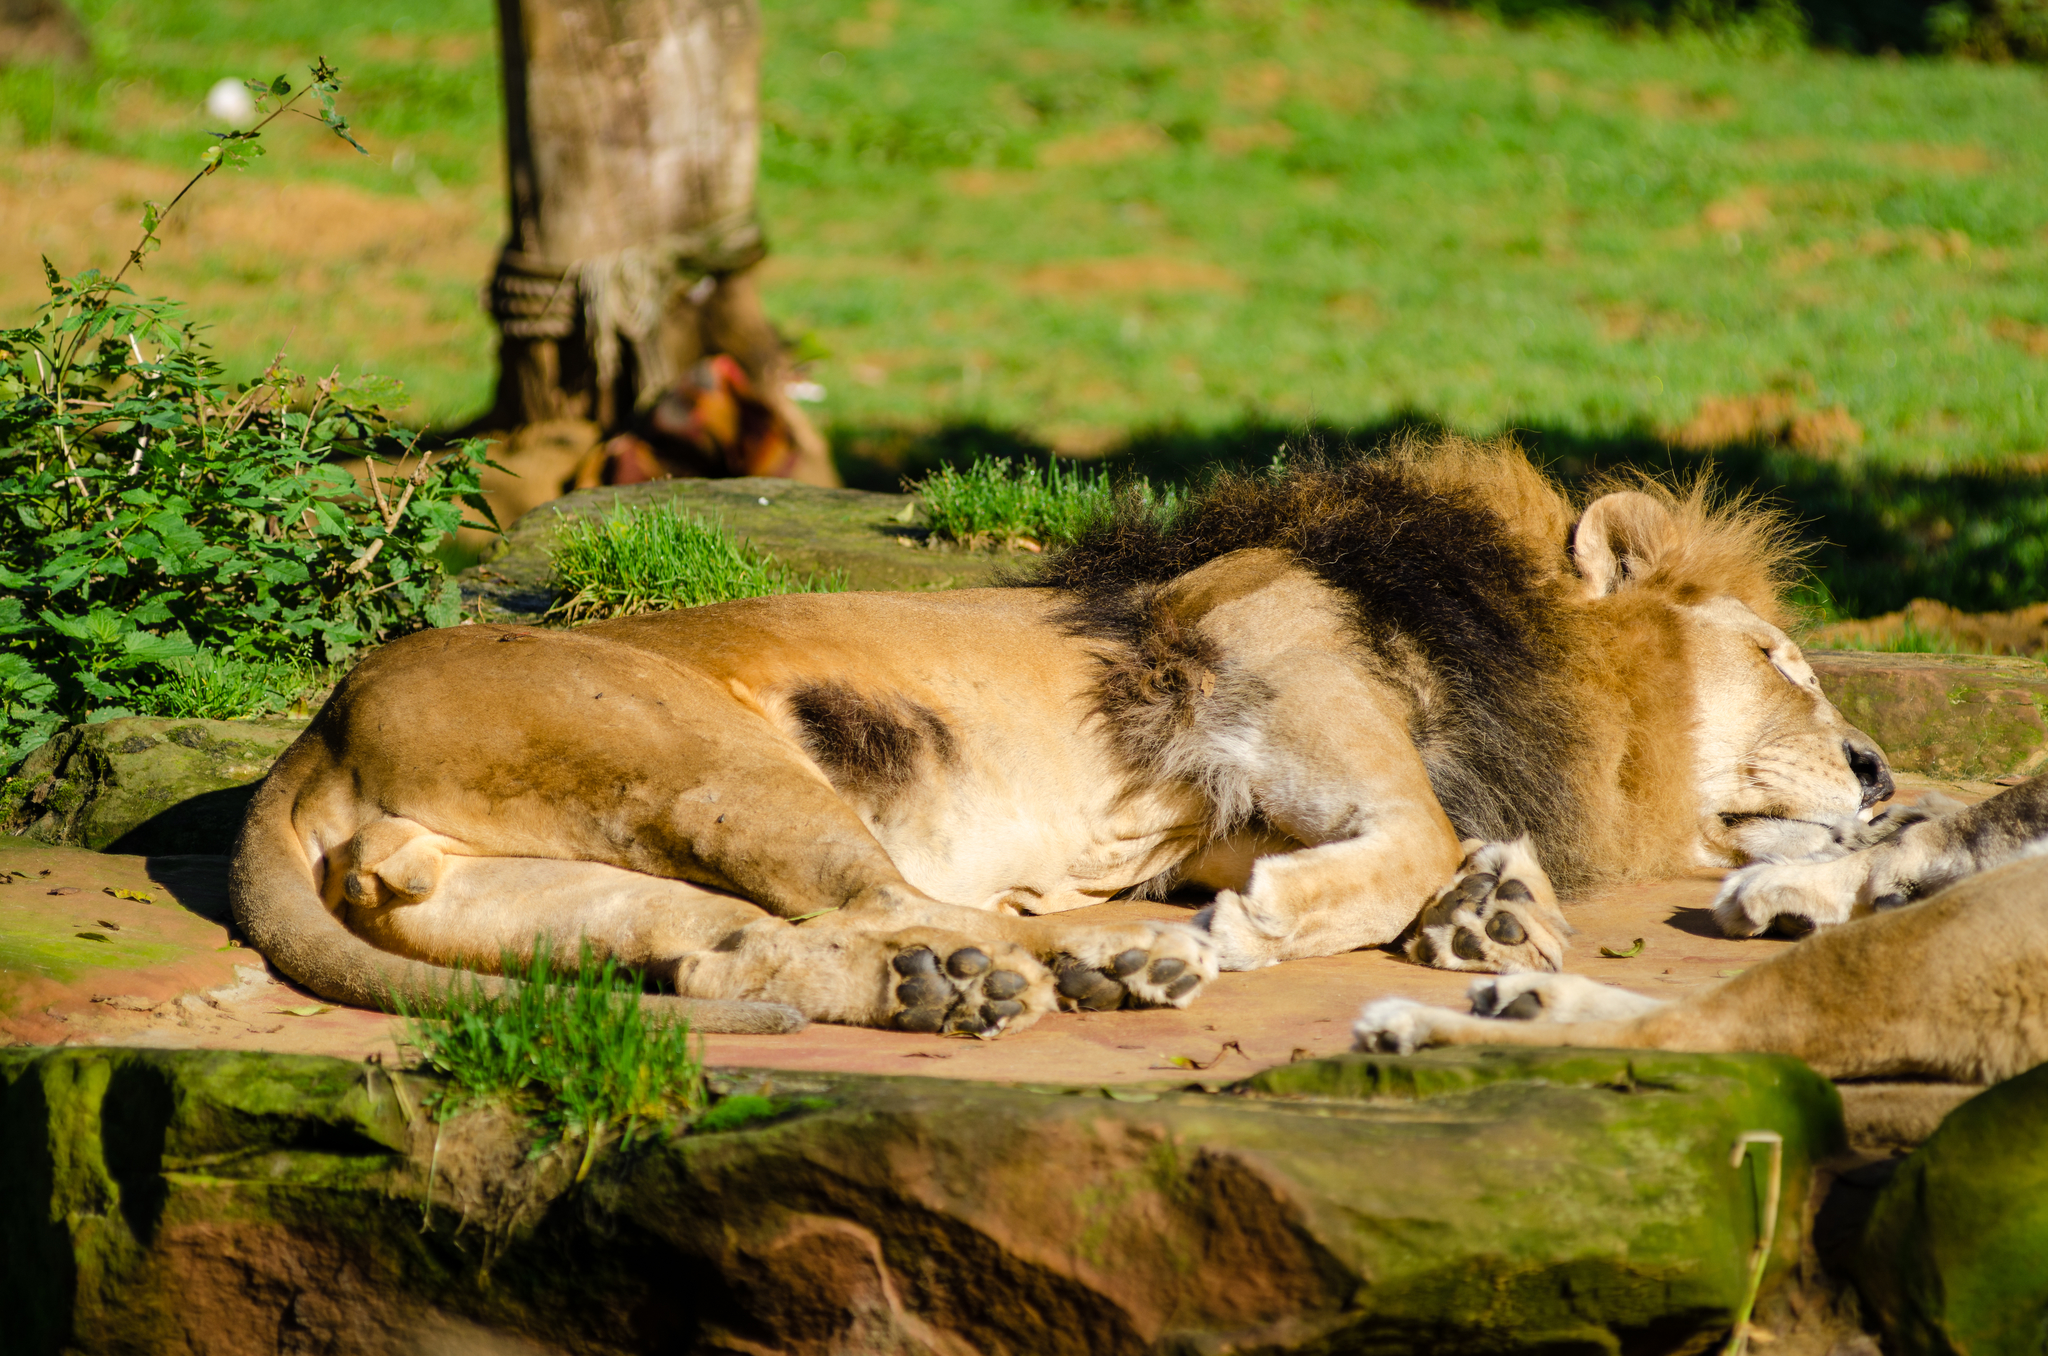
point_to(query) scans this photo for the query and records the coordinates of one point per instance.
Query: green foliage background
(1176, 230)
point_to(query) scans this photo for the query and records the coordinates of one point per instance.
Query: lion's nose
(1866, 760)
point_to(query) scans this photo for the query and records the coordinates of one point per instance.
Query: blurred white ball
(230, 103)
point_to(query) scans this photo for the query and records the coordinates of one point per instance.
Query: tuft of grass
(645, 560)
(1005, 503)
(746, 1110)
(575, 1051)
(214, 686)
(1909, 638)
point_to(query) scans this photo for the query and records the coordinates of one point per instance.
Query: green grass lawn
(1185, 230)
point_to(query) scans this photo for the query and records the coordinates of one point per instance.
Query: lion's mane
(1454, 558)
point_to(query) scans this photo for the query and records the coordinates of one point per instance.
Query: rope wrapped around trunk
(618, 296)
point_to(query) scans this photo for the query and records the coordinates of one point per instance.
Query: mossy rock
(146, 784)
(1955, 1258)
(873, 539)
(1965, 717)
(1469, 1201)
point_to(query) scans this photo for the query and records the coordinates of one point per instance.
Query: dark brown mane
(1419, 539)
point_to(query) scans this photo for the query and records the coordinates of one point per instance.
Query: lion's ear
(1619, 539)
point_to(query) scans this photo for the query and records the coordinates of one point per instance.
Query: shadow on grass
(1976, 538)
(1847, 25)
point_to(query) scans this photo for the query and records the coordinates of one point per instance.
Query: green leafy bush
(172, 545)
(643, 560)
(149, 514)
(1005, 503)
(575, 1051)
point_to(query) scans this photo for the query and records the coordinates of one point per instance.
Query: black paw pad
(1182, 987)
(1128, 962)
(1166, 969)
(1526, 1007)
(926, 1021)
(1004, 985)
(1514, 891)
(1466, 944)
(1790, 925)
(1504, 927)
(923, 991)
(919, 960)
(967, 962)
(1471, 890)
(1086, 987)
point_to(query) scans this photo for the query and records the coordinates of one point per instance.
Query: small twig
(1767, 1229)
(1189, 1062)
(412, 483)
(433, 1164)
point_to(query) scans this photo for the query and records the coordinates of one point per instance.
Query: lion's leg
(477, 910)
(473, 911)
(1332, 765)
(1945, 989)
(1498, 913)
(1523, 1009)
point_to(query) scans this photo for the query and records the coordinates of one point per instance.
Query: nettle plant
(174, 545)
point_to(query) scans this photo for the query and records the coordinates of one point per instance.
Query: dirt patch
(1627, 322)
(1743, 211)
(1104, 147)
(1250, 137)
(1256, 87)
(1656, 99)
(1771, 417)
(1358, 307)
(2032, 338)
(1938, 159)
(988, 183)
(1133, 273)
(1935, 246)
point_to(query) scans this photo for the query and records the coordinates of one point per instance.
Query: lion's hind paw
(1555, 998)
(1498, 913)
(966, 991)
(1144, 965)
(1393, 1026)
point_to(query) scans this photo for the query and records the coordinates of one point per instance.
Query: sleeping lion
(1347, 702)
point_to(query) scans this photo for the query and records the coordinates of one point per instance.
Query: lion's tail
(271, 889)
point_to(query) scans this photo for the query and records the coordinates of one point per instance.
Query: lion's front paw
(1143, 965)
(1555, 998)
(966, 990)
(1393, 1026)
(1498, 913)
(1792, 898)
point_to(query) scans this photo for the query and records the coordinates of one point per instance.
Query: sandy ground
(80, 964)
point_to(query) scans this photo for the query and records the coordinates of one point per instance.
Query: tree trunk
(40, 30)
(632, 138)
